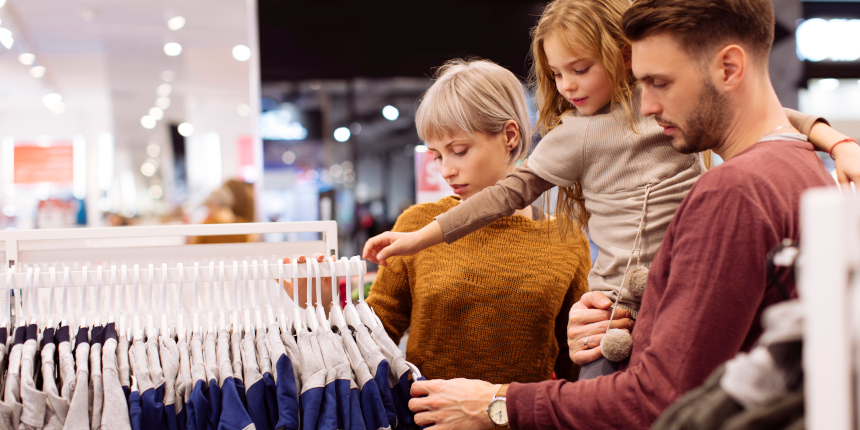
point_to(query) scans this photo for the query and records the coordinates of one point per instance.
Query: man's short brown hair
(703, 25)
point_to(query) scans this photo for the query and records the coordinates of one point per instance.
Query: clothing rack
(829, 288)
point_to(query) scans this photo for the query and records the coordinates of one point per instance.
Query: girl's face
(582, 81)
(471, 163)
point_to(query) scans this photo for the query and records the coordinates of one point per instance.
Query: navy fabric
(257, 405)
(328, 409)
(381, 379)
(198, 408)
(233, 412)
(182, 416)
(134, 411)
(127, 392)
(151, 410)
(240, 390)
(311, 402)
(372, 408)
(21, 335)
(344, 408)
(3, 335)
(270, 395)
(213, 418)
(358, 421)
(287, 395)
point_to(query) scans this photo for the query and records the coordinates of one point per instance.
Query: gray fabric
(359, 367)
(236, 354)
(275, 347)
(198, 369)
(222, 351)
(156, 374)
(249, 361)
(599, 367)
(370, 351)
(210, 358)
(33, 400)
(115, 413)
(183, 378)
(67, 379)
(56, 407)
(396, 360)
(79, 408)
(313, 374)
(170, 366)
(334, 358)
(264, 361)
(10, 416)
(292, 348)
(96, 386)
(12, 395)
(123, 366)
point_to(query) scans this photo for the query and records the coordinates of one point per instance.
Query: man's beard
(706, 128)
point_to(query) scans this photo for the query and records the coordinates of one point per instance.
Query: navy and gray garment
(379, 368)
(67, 371)
(198, 405)
(156, 375)
(313, 379)
(365, 399)
(183, 383)
(339, 383)
(169, 354)
(134, 410)
(255, 389)
(96, 382)
(284, 374)
(33, 400)
(150, 418)
(79, 408)
(56, 408)
(123, 366)
(270, 391)
(213, 390)
(115, 414)
(399, 376)
(233, 413)
(236, 355)
(11, 407)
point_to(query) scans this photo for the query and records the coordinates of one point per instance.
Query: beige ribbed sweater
(614, 165)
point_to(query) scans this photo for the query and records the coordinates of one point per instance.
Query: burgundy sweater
(706, 290)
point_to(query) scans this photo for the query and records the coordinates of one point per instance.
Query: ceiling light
(156, 192)
(147, 169)
(390, 113)
(27, 59)
(288, 157)
(420, 148)
(355, 128)
(185, 129)
(241, 52)
(167, 76)
(164, 90)
(52, 101)
(153, 149)
(147, 122)
(156, 113)
(2, 2)
(172, 49)
(243, 110)
(341, 134)
(176, 23)
(162, 103)
(828, 84)
(37, 71)
(6, 38)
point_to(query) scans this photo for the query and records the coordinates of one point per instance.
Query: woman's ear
(512, 135)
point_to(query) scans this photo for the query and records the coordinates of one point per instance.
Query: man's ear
(730, 67)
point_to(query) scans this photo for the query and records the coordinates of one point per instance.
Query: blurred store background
(116, 112)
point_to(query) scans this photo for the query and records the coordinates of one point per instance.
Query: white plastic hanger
(310, 315)
(180, 324)
(83, 321)
(150, 327)
(123, 304)
(138, 332)
(7, 316)
(53, 275)
(335, 314)
(298, 321)
(282, 298)
(234, 306)
(165, 330)
(22, 306)
(63, 319)
(97, 317)
(246, 311)
(222, 323)
(349, 312)
(210, 327)
(111, 296)
(195, 326)
(258, 317)
(267, 287)
(35, 315)
(363, 309)
(320, 306)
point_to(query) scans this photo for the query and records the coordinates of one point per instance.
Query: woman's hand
(588, 320)
(390, 244)
(303, 284)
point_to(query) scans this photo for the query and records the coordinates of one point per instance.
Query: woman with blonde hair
(470, 313)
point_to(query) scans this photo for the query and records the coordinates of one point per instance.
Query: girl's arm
(517, 191)
(823, 137)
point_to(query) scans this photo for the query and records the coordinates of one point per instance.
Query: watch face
(498, 412)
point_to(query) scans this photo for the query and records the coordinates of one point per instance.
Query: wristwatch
(498, 409)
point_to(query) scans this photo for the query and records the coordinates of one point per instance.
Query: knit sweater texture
(493, 306)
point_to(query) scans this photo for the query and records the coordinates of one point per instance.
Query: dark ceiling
(332, 39)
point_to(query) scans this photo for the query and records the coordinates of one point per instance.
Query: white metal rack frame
(829, 288)
(149, 262)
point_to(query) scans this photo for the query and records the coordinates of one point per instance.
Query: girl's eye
(556, 75)
(439, 158)
(583, 71)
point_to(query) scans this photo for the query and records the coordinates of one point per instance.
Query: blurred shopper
(232, 202)
(494, 305)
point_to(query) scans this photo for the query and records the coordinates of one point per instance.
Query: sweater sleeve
(564, 367)
(702, 319)
(517, 191)
(801, 121)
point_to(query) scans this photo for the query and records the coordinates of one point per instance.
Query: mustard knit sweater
(492, 306)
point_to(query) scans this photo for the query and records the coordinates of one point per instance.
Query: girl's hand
(588, 320)
(847, 157)
(390, 244)
(303, 284)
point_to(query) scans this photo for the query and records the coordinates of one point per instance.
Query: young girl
(616, 170)
(469, 313)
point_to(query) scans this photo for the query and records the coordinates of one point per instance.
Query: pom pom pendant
(635, 280)
(616, 345)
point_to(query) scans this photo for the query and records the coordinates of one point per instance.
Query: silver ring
(585, 341)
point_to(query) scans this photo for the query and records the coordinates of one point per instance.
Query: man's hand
(589, 318)
(390, 244)
(453, 404)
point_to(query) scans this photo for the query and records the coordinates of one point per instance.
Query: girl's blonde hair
(474, 96)
(595, 27)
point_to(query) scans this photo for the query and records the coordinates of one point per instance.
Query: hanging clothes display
(257, 363)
